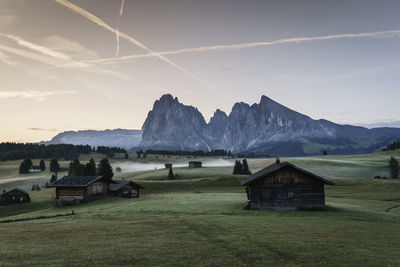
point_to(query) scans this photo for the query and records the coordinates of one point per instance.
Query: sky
(101, 64)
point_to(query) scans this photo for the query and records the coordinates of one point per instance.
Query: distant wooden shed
(195, 164)
(125, 189)
(80, 188)
(284, 186)
(14, 196)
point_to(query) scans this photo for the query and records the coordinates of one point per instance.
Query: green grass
(198, 220)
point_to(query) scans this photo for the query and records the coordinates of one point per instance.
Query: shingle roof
(75, 181)
(275, 167)
(117, 185)
(15, 189)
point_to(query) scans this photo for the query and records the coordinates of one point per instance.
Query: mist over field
(136, 167)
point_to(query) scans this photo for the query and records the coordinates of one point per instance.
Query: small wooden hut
(195, 164)
(14, 196)
(73, 190)
(284, 186)
(125, 188)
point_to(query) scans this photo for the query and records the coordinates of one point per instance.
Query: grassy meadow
(199, 220)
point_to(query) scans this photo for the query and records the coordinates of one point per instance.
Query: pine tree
(90, 168)
(104, 169)
(76, 168)
(42, 165)
(171, 175)
(53, 178)
(238, 168)
(394, 168)
(25, 166)
(54, 166)
(246, 168)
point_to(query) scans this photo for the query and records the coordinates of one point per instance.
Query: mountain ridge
(123, 138)
(260, 128)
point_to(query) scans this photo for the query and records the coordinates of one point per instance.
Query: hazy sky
(60, 68)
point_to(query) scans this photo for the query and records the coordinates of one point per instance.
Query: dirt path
(16, 179)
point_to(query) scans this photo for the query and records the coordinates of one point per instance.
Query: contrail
(50, 57)
(121, 11)
(104, 25)
(38, 48)
(250, 45)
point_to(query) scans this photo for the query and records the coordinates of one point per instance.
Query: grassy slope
(200, 221)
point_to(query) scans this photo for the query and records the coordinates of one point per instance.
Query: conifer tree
(42, 165)
(238, 168)
(76, 168)
(171, 174)
(246, 168)
(53, 178)
(90, 168)
(104, 169)
(394, 168)
(54, 166)
(25, 166)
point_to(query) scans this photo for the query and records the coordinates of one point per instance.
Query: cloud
(231, 47)
(7, 19)
(42, 129)
(74, 49)
(130, 39)
(33, 94)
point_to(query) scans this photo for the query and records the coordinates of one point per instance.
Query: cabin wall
(14, 197)
(286, 189)
(98, 188)
(128, 191)
(70, 194)
(283, 197)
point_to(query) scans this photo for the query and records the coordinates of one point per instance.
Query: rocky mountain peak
(264, 127)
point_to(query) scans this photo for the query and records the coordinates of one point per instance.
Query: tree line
(241, 168)
(392, 146)
(198, 153)
(110, 151)
(76, 168)
(13, 151)
(26, 166)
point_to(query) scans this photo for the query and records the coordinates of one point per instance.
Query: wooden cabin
(195, 164)
(284, 186)
(125, 189)
(74, 190)
(14, 196)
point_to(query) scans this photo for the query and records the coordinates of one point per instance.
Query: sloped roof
(118, 185)
(276, 167)
(15, 189)
(75, 181)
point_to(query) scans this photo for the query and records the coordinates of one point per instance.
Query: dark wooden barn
(284, 186)
(195, 164)
(73, 190)
(14, 196)
(125, 189)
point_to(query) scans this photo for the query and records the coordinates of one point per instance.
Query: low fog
(135, 166)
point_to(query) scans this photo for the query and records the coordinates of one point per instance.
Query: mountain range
(263, 128)
(113, 138)
(266, 127)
